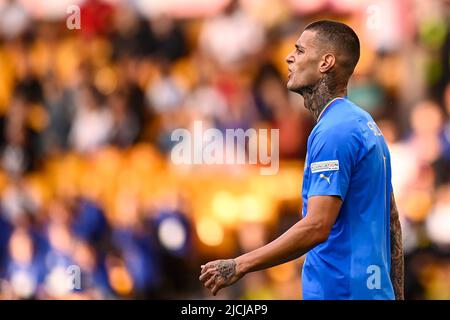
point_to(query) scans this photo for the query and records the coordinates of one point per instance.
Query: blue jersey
(348, 157)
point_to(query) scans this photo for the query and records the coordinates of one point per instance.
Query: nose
(290, 58)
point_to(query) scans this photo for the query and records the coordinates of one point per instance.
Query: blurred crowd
(86, 117)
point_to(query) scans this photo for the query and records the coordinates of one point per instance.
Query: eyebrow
(299, 46)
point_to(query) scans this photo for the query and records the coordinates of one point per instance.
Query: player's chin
(292, 86)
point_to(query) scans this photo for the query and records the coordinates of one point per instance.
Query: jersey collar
(328, 105)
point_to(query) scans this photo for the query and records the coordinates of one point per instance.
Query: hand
(219, 274)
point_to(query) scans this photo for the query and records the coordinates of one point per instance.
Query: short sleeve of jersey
(389, 168)
(332, 156)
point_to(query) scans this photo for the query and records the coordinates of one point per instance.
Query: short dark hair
(342, 38)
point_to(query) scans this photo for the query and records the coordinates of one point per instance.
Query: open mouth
(289, 73)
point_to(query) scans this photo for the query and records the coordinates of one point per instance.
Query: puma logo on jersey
(326, 178)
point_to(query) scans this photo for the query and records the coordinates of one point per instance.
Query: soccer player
(350, 231)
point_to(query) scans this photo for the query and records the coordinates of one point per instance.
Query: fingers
(210, 281)
(207, 274)
(205, 267)
(216, 288)
(209, 277)
(214, 284)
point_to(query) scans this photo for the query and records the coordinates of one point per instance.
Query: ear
(328, 61)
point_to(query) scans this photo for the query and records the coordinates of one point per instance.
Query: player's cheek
(300, 76)
(308, 74)
(301, 70)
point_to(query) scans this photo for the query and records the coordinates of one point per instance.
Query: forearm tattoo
(397, 263)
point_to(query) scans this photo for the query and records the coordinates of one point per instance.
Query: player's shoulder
(344, 124)
(343, 120)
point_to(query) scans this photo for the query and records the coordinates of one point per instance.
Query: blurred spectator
(23, 272)
(167, 40)
(93, 122)
(19, 142)
(88, 221)
(94, 280)
(60, 107)
(18, 203)
(232, 36)
(438, 221)
(135, 245)
(165, 93)
(14, 19)
(96, 16)
(57, 260)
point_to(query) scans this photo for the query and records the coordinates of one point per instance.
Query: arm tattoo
(397, 264)
(226, 269)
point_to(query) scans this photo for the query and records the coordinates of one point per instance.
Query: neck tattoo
(317, 96)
